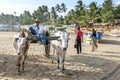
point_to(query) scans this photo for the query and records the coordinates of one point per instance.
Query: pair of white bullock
(58, 46)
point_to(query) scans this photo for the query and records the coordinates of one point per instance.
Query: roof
(117, 21)
(102, 24)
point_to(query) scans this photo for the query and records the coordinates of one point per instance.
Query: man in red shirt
(79, 39)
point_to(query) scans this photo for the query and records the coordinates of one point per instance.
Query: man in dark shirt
(93, 37)
(94, 33)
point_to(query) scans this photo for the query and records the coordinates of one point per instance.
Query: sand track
(103, 64)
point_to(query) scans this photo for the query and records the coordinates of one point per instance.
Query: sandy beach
(102, 64)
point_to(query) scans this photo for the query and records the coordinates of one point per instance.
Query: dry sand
(102, 64)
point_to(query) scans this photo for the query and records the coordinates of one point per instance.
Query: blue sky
(18, 6)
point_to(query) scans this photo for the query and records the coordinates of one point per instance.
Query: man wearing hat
(36, 28)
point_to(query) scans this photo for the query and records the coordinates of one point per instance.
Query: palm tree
(26, 18)
(117, 12)
(80, 12)
(70, 16)
(79, 5)
(93, 11)
(107, 11)
(63, 8)
(44, 13)
(58, 9)
(48, 17)
(53, 15)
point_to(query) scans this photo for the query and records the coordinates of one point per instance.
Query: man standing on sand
(79, 40)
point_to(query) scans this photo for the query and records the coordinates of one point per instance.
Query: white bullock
(60, 46)
(21, 45)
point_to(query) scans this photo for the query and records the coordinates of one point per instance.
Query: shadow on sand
(37, 67)
(113, 42)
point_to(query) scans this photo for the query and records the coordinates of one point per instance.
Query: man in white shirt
(36, 28)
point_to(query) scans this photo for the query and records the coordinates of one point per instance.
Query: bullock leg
(18, 64)
(18, 67)
(53, 55)
(23, 66)
(63, 59)
(58, 63)
(63, 64)
(23, 62)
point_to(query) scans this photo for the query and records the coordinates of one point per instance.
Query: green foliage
(7, 19)
(26, 18)
(117, 12)
(82, 14)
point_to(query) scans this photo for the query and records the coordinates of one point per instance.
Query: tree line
(82, 13)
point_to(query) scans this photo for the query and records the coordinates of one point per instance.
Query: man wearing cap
(36, 28)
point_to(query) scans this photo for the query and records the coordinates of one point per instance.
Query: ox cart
(41, 39)
(44, 40)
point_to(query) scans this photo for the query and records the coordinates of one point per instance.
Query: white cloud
(117, 3)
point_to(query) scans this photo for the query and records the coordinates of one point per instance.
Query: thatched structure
(97, 26)
(101, 25)
(117, 21)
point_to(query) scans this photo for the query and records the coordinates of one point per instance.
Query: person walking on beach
(93, 37)
(79, 39)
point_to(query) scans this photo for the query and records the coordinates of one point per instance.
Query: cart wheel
(47, 45)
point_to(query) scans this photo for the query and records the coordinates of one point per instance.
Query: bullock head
(64, 37)
(22, 45)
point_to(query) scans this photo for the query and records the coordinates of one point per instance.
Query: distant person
(93, 37)
(79, 40)
(94, 33)
(36, 29)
